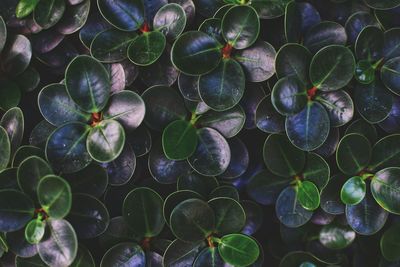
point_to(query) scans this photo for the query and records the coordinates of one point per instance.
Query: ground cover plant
(201, 133)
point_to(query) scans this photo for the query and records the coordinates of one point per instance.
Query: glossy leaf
(25, 7)
(267, 118)
(336, 236)
(48, 13)
(111, 45)
(66, 148)
(146, 48)
(30, 172)
(369, 43)
(3, 33)
(16, 213)
(192, 220)
(238, 249)
(124, 15)
(332, 68)
(386, 152)
(308, 129)
(142, 210)
(212, 155)
(10, 94)
(389, 243)
(88, 216)
(54, 195)
(60, 246)
(339, 105)
(289, 95)
(364, 128)
(196, 53)
(239, 159)
(16, 55)
(222, 88)
(353, 153)
(330, 196)
(105, 141)
(281, 157)
(269, 9)
(229, 215)
(14, 124)
(390, 75)
(225, 191)
(88, 83)
(197, 183)
(316, 170)
(323, 34)
(175, 198)
(181, 253)
(83, 257)
(353, 191)
(5, 149)
(179, 140)
(74, 18)
(57, 107)
(376, 4)
(92, 180)
(34, 231)
(127, 253)
(308, 195)
(385, 188)
(240, 26)
(170, 20)
(289, 211)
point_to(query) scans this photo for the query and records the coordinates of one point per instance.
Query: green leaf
(60, 247)
(146, 48)
(106, 141)
(66, 147)
(365, 72)
(324, 34)
(111, 45)
(10, 94)
(30, 172)
(225, 191)
(229, 215)
(382, 5)
(126, 107)
(222, 88)
(281, 157)
(316, 170)
(83, 258)
(336, 236)
(197, 183)
(54, 195)
(367, 217)
(332, 68)
(258, 61)
(196, 53)
(182, 253)
(16, 55)
(267, 118)
(57, 107)
(289, 95)
(268, 9)
(179, 140)
(25, 7)
(126, 15)
(240, 26)
(339, 105)
(127, 253)
(238, 249)
(362, 127)
(353, 153)
(386, 152)
(13, 122)
(48, 13)
(3, 33)
(5, 149)
(34, 231)
(88, 83)
(16, 213)
(390, 243)
(212, 155)
(309, 129)
(308, 195)
(330, 195)
(385, 188)
(170, 20)
(369, 43)
(192, 220)
(353, 191)
(142, 210)
(390, 73)
(288, 209)
(74, 17)
(88, 215)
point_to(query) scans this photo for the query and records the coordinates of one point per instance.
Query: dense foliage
(201, 133)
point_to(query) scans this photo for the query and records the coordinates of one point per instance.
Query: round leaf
(60, 247)
(332, 68)
(125, 15)
(308, 195)
(330, 196)
(339, 105)
(88, 83)
(197, 183)
(48, 13)
(16, 209)
(240, 26)
(124, 254)
(316, 170)
(16, 55)
(222, 88)
(323, 34)
(146, 48)
(229, 215)
(34, 231)
(353, 153)
(353, 191)
(308, 129)
(390, 243)
(54, 195)
(106, 141)
(192, 220)
(57, 107)
(179, 140)
(289, 95)
(121, 170)
(386, 152)
(390, 75)
(212, 155)
(267, 118)
(336, 236)
(66, 147)
(5, 149)
(13, 122)
(385, 188)
(196, 53)
(142, 210)
(170, 20)
(238, 249)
